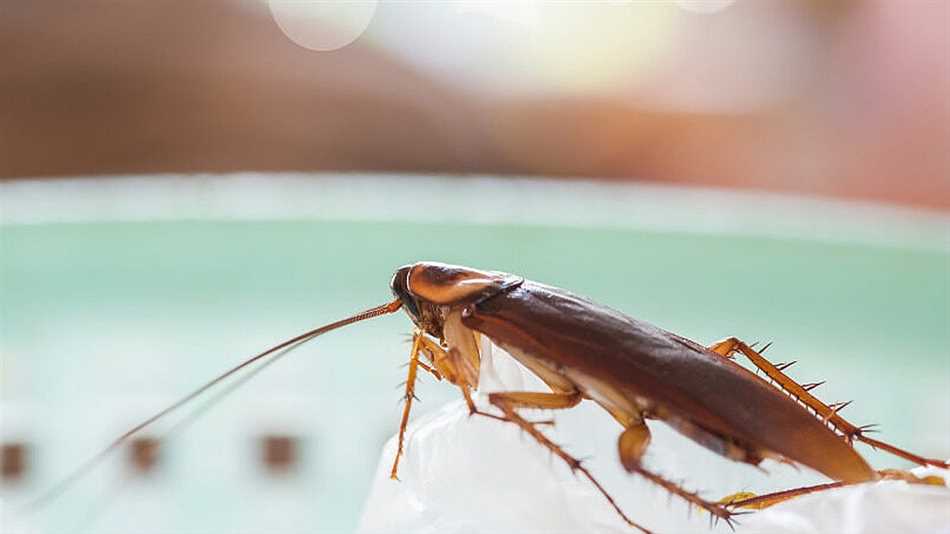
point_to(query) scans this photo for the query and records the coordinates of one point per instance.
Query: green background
(104, 323)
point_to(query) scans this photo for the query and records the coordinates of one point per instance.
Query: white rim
(469, 200)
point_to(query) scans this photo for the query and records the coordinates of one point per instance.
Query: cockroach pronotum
(632, 369)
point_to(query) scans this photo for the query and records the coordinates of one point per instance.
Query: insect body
(636, 371)
(632, 369)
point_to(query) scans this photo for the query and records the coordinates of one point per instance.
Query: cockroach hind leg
(828, 414)
(897, 451)
(738, 496)
(757, 502)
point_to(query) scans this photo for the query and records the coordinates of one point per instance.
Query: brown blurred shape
(104, 87)
(144, 454)
(279, 453)
(14, 461)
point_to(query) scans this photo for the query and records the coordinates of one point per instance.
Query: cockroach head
(400, 288)
(425, 314)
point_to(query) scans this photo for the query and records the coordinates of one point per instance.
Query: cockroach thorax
(429, 291)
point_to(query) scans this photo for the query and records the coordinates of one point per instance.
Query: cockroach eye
(400, 288)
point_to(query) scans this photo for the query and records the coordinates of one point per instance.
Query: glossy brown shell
(683, 377)
(442, 284)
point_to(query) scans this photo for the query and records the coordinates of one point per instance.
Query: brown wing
(706, 389)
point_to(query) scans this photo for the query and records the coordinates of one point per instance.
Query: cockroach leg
(758, 502)
(826, 413)
(907, 455)
(442, 366)
(751, 501)
(507, 402)
(467, 394)
(633, 444)
(429, 370)
(717, 510)
(445, 366)
(410, 395)
(538, 400)
(437, 356)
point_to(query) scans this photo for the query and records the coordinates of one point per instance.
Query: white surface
(473, 475)
(887, 506)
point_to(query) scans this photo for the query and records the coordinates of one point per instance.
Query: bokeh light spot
(598, 47)
(322, 25)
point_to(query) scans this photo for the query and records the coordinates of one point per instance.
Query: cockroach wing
(679, 378)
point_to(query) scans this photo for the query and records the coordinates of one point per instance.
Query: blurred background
(843, 98)
(185, 183)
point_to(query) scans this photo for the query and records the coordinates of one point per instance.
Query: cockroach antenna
(277, 351)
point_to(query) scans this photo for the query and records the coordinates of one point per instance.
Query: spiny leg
(507, 402)
(758, 502)
(409, 396)
(751, 501)
(420, 343)
(729, 346)
(828, 414)
(632, 445)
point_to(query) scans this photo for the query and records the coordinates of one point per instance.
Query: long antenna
(289, 344)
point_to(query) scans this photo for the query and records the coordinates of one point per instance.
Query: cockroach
(632, 369)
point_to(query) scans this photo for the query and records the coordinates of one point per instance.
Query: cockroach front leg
(419, 344)
(409, 396)
(446, 366)
(801, 393)
(442, 367)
